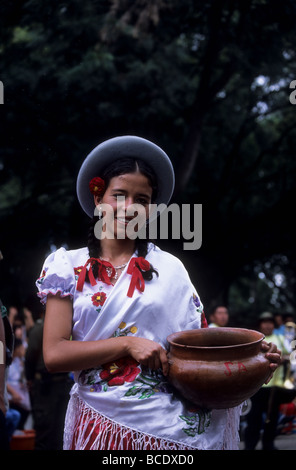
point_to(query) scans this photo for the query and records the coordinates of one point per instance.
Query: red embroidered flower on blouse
(120, 371)
(42, 276)
(97, 186)
(99, 299)
(78, 270)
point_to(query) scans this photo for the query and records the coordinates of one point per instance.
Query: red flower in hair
(97, 186)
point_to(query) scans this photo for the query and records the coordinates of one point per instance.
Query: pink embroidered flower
(120, 371)
(99, 298)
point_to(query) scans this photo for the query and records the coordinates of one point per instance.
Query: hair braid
(142, 249)
(93, 244)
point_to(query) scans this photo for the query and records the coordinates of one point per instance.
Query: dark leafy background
(206, 80)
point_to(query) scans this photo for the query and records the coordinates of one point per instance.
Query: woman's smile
(129, 197)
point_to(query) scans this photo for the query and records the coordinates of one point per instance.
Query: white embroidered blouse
(123, 391)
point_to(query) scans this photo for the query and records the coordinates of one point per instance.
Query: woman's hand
(148, 353)
(273, 354)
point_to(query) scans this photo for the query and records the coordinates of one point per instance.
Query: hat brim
(121, 147)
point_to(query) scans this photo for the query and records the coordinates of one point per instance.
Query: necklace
(109, 270)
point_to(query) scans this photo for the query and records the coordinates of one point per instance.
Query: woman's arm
(63, 355)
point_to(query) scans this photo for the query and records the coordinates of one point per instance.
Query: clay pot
(217, 367)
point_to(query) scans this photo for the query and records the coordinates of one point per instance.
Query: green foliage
(266, 285)
(184, 74)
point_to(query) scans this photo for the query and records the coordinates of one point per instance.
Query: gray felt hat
(122, 147)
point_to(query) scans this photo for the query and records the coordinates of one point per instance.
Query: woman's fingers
(273, 354)
(159, 361)
(164, 361)
(149, 353)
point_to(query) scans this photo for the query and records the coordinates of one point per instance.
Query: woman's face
(127, 198)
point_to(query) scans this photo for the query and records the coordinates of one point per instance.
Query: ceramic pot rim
(172, 339)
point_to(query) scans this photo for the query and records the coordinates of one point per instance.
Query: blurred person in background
(49, 393)
(3, 432)
(17, 389)
(8, 418)
(12, 313)
(219, 316)
(266, 402)
(279, 327)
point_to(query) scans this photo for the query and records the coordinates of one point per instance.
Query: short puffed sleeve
(57, 276)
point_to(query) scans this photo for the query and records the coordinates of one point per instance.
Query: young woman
(110, 307)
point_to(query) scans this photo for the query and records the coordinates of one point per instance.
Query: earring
(100, 214)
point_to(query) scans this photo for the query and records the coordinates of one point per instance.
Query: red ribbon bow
(102, 273)
(136, 265)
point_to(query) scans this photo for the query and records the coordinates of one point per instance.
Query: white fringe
(78, 409)
(231, 435)
(72, 416)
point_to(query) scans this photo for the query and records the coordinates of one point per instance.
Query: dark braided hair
(121, 167)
